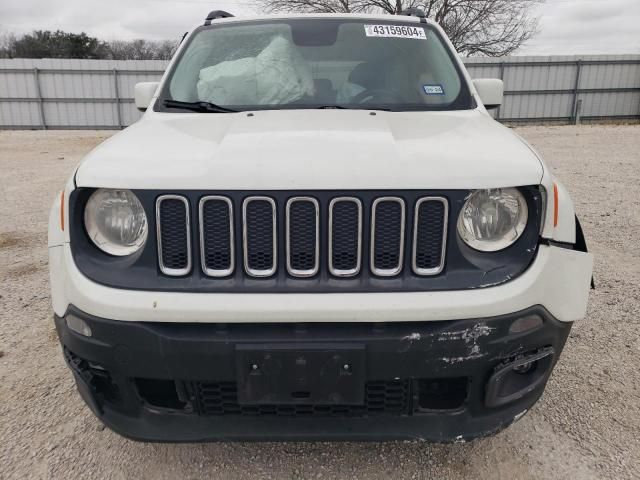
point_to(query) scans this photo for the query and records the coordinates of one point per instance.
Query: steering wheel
(379, 94)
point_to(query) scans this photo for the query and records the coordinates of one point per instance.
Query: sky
(566, 26)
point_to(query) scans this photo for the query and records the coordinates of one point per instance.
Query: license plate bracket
(295, 374)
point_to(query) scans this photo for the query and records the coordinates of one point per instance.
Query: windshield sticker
(395, 31)
(433, 89)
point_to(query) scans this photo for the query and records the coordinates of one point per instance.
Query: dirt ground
(586, 426)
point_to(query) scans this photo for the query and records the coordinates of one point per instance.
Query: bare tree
(475, 27)
(141, 49)
(7, 44)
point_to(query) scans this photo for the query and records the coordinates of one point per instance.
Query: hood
(312, 150)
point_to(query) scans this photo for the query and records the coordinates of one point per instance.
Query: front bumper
(438, 380)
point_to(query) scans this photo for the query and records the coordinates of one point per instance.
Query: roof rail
(215, 15)
(413, 12)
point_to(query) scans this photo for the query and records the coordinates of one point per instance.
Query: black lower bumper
(437, 381)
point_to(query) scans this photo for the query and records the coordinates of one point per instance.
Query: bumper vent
(220, 398)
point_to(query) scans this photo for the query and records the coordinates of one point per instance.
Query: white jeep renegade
(316, 231)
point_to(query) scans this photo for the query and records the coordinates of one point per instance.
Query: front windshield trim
(464, 100)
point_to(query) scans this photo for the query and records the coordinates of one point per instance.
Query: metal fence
(564, 88)
(98, 94)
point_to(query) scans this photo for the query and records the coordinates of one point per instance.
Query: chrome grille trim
(209, 271)
(254, 272)
(292, 271)
(387, 272)
(174, 272)
(439, 268)
(354, 271)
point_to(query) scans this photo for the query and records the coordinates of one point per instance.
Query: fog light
(78, 325)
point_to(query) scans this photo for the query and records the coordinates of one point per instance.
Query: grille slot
(381, 398)
(345, 236)
(216, 236)
(303, 236)
(430, 235)
(259, 231)
(174, 235)
(387, 236)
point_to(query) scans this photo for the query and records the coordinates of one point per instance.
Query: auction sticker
(395, 31)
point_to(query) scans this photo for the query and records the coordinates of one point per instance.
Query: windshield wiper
(205, 107)
(332, 107)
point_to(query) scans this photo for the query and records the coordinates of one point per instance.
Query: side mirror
(144, 92)
(490, 91)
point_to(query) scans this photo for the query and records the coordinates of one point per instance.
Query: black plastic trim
(410, 351)
(581, 241)
(464, 267)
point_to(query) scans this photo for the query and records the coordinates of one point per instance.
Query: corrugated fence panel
(71, 93)
(544, 88)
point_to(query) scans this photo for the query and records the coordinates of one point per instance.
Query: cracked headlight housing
(116, 222)
(492, 220)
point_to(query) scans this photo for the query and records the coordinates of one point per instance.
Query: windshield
(317, 63)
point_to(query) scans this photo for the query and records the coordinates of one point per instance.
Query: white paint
(558, 279)
(312, 150)
(490, 90)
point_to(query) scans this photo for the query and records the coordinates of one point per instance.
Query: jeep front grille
(326, 239)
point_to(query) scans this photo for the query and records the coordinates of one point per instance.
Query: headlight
(492, 220)
(115, 221)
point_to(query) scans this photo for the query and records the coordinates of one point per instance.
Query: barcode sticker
(395, 31)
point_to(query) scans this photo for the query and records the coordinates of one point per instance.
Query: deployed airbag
(277, 75)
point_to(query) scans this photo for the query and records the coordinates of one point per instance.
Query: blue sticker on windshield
(433, 89)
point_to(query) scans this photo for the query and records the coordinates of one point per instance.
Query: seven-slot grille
(345, 233)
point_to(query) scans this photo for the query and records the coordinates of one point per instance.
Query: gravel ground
(586, 426)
